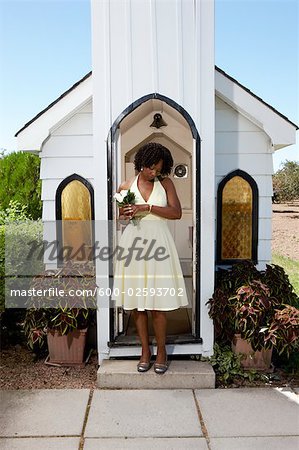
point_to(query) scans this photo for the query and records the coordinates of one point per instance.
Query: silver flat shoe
(144, 366)
(161, 368)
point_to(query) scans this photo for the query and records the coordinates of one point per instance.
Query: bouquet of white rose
(125, 197)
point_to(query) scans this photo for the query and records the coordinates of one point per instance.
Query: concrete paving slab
(122, 374)
(39, 443)
(146, 444)
(47, 412)
(256, 443)
(249, 412)
(148, 413)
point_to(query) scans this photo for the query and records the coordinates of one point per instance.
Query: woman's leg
(141, 321)
(160, 325)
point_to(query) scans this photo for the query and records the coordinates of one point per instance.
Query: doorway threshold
(128, 341)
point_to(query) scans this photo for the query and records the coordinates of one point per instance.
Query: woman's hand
(132, 210)
(128, 211)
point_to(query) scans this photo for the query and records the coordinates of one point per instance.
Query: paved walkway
(215, 419)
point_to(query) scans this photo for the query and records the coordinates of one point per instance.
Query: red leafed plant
(283, 333)
(253, 310)
(261, 306)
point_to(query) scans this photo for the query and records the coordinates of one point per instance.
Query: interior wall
(134, 134)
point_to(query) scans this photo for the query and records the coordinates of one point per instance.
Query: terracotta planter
(260, 360)
(68, 349)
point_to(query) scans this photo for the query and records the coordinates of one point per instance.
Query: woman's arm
(173, 210)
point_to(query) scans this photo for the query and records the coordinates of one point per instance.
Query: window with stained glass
(237, 218)
(76, 215)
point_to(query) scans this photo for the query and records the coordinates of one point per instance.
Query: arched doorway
(129, 131)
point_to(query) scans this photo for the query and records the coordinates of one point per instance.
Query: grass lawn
(291, 267)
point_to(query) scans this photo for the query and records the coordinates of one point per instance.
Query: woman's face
(154, 170)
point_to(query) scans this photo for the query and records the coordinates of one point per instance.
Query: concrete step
(122, 374)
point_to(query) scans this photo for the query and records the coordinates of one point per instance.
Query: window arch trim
(255, 197)
(58, 209)
(63, 184)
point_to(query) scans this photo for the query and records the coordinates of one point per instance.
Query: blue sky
(45, 47)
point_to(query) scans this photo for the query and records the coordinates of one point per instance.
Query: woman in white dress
(156, 281)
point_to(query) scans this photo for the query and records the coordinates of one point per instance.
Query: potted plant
(250, 311)
(59, 318)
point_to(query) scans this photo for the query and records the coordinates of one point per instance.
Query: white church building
(157, 57)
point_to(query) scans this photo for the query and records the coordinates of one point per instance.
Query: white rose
(124, 192)
(119, 196)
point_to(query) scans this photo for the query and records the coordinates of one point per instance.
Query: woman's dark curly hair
(152, 153)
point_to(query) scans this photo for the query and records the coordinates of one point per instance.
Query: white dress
(151, 279)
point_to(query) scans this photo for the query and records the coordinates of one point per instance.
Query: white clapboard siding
(228, 120)
(260, 164)
(67, 146)
(233, 142)
(188, 65)
(168, 49)
(265, 207)
(240, 144)
(139, 44)
(220, 104)
(67, 151)
(264, 184)
(264, 250)
(49, 210)
(265, 228)
(63, 167)
(80, 123)
(49, 187)
(88, 108)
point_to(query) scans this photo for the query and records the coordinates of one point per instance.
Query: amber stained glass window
(76, 219)
(236, 233)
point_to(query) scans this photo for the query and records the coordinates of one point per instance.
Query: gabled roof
(255, 96)
(32, 135)
(280, 129)
(54, 103)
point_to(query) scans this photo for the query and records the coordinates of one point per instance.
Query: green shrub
(227, 365)
(20, 181)
(17, 230)
(286, 182)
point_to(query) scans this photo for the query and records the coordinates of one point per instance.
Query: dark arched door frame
(111, 154)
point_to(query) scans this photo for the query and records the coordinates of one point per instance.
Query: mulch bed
(20, 369)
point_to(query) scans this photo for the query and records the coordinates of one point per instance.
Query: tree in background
(286, 182)
(19, 181)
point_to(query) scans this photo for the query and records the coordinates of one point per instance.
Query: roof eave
(33, 134)
(279, 128)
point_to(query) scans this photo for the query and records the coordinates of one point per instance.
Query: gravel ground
(20, 370)
(285, 230)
